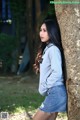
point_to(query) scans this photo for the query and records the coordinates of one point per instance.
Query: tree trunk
(38, 14)
(30, 32)
(68, 16)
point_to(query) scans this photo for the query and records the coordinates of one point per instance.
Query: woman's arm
(56, 66)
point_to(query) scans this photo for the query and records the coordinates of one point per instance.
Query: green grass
(16, 96)
(20, 94)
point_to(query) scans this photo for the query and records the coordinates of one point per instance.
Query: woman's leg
(53, 116)
(41, 115)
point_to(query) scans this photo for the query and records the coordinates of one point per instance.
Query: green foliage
(18, 7)
(51, 9)
(17, 96)
(9, 43)
(7, 46)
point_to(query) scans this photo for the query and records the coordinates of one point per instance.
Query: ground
(20, 98)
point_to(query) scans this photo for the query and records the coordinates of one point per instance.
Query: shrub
(7, 46)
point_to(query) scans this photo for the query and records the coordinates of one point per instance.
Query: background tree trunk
(38, 14)
(30, 31)
(69, 19)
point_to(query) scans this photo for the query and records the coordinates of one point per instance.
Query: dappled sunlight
(21, 98)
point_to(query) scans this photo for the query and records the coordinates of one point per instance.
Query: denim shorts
(56, 100)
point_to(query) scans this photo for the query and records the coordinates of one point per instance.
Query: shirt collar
(48, 45)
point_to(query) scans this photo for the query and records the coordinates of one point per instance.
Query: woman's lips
(42, 37)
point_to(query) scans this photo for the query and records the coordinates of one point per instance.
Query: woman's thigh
(41, 115)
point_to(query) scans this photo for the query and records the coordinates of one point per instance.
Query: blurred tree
(16, 10)
(33, 11)
(29, 30)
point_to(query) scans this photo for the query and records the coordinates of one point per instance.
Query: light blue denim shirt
(50, 69)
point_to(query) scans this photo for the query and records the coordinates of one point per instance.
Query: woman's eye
(44, 30)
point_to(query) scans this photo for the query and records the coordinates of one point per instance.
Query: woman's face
(43, 33)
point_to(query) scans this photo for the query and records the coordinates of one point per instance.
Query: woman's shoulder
(54, 52)
(53, 47)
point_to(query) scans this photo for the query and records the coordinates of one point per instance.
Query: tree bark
(68, 16)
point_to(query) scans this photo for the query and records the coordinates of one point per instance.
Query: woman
(49, 63)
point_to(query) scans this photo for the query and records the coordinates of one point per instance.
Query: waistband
(57, 84)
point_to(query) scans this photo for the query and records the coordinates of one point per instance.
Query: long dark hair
(55, 38)
(53, 32)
